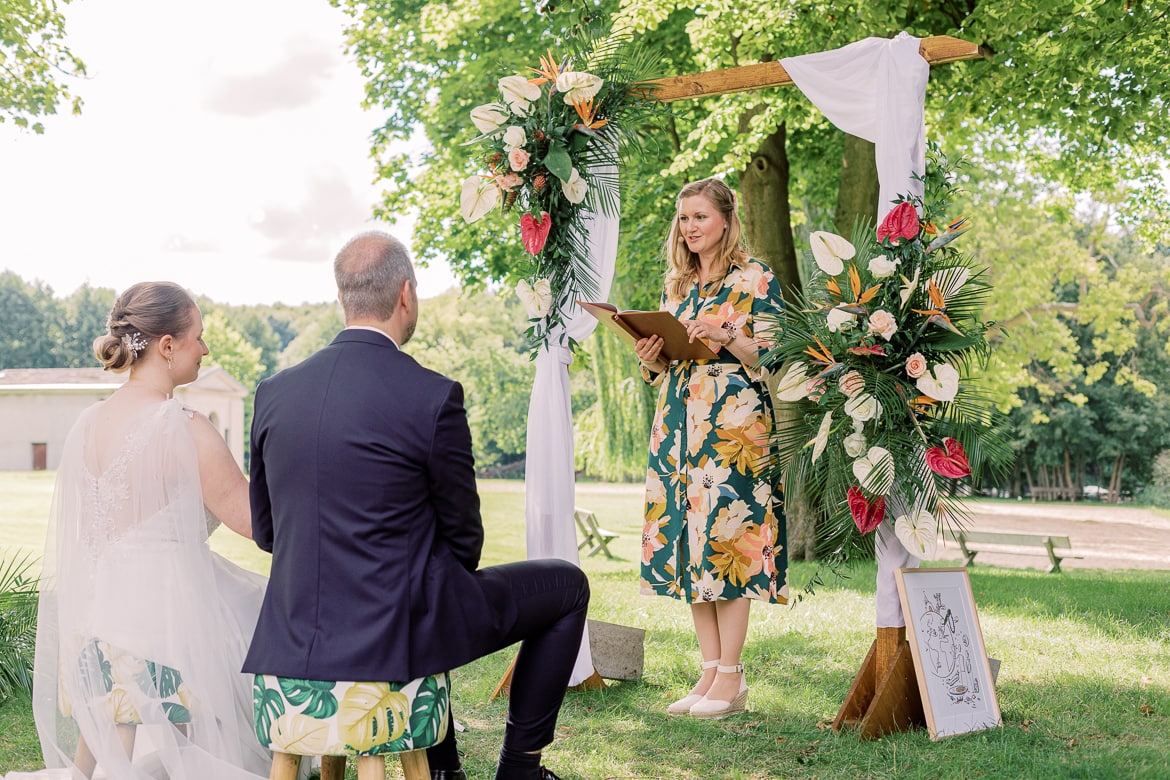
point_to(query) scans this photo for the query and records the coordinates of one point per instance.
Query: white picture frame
(950, 659)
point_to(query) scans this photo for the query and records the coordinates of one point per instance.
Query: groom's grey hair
(370, 271)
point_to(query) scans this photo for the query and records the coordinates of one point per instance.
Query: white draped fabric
(876, 89)
(549, 482)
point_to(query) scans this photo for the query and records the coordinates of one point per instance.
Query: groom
(363, 489)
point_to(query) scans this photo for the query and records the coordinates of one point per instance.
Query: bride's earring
(170, 363)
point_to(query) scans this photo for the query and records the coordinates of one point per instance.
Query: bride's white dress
(139, 621)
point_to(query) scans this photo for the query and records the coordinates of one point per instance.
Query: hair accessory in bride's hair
(134, 342)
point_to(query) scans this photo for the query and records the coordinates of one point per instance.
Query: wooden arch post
(884, 696)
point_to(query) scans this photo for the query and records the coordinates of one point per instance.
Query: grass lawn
(1084, 687)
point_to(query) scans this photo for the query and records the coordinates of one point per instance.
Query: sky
(222, 145)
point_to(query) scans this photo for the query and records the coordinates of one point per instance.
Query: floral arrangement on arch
(879, 356)
(548, 152)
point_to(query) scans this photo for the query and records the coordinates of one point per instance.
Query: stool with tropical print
(128, 684)
(333, 720)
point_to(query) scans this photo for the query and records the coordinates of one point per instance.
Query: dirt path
(1107, 535)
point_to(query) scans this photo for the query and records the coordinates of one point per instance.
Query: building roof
(25, 380)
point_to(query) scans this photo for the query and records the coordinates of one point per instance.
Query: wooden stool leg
(332, 767)
(284, 766)
(414, 765)
(374, 768)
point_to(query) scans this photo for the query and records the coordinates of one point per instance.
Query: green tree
(34, 58)
(30, 330)
(85, 313)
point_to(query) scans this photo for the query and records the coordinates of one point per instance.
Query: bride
(142, 629)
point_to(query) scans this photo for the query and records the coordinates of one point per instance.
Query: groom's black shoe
(448, 774)
(547, 774)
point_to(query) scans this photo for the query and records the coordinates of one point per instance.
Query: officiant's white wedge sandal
(714, 709)
(683, 705)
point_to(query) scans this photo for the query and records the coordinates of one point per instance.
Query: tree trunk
(857, 191)
(763, 187)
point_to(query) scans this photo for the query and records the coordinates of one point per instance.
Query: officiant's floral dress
(714, 524)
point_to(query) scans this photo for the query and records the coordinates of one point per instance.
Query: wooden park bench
(593, 536)
(975, 542)
(1055, 493)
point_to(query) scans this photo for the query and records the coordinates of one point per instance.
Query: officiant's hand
(708, 331)
(649, 351)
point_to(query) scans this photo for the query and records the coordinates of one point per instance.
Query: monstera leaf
(372, 714)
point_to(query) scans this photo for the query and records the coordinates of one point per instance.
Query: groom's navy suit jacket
(363, 489)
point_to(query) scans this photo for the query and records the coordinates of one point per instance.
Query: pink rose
(900, 224)
(851, 384)
(883, 323)
(915, 365)
(518, 159)
(509, 181)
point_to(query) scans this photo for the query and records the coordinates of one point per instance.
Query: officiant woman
(714, 533)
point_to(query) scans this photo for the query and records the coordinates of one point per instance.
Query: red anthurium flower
(951, 462)
(866, 349)
(534, 232)
(868, 515)
(900, 224)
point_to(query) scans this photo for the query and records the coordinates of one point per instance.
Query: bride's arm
(225, 489)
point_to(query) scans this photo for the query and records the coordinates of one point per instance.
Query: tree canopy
(36, 61)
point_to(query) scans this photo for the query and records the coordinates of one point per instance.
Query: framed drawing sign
(950, 660)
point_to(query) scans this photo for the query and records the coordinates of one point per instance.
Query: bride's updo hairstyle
(144, 312)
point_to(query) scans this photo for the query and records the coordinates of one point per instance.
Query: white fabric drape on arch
(549, 481)
(876, 89)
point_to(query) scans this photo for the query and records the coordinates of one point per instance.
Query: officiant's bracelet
(732, 332)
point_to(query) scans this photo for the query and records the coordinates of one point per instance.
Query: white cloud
(221, 145)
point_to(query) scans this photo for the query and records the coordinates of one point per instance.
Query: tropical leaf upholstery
(319, 718)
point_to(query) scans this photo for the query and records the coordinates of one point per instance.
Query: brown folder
(633, 325)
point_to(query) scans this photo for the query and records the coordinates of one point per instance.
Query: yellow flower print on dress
(729, 520)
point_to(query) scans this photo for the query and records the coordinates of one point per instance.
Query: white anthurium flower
(821, 440)
(918, 533)
(488, 117)
(575, 188)
(839, 319)
(537, 298)
(882, 266)
(518, 92)
(940, 383)
(514, 138)
(791, 386)
(875, 470)
(909, 286)
(949, 281)
(579, 86)
(863, 407)
(479, 196)
(830, 250)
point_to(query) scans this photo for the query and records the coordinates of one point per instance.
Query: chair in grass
(367, 720)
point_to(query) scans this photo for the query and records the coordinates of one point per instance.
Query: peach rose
(518, 159)
(915, 365)
(851, 384)
(883, 323)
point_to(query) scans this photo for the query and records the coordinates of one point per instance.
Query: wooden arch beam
(936, 50)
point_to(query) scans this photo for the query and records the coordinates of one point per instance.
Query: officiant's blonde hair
(682, 265)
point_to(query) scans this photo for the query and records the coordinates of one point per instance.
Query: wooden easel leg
(884, 696)
(505, 683)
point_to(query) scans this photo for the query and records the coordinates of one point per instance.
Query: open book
(633, 325)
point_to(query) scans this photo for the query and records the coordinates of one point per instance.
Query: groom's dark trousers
(363, 489)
